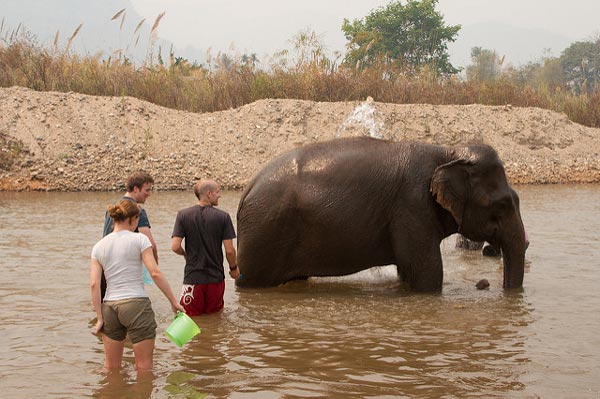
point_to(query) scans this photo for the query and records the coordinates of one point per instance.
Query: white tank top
(120, 254)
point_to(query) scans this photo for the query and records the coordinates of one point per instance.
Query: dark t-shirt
(204, 228)
(109, 223)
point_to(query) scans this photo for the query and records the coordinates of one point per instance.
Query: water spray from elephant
(365, 115)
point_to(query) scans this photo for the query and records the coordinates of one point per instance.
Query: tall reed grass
(234, 81)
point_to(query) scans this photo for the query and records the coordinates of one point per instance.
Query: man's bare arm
(231, 256)
(148, 233)
(177, 247)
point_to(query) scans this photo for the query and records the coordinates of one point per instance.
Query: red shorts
(202, 298)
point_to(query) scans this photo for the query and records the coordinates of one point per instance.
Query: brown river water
(357, 336)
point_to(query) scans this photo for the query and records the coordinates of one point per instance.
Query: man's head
(139, 186)
(207, 191)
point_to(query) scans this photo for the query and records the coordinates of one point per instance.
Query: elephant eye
(503, 204)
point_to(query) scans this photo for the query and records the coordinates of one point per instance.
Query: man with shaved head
(205, 230)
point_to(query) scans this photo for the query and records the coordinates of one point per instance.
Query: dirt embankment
(70, 141)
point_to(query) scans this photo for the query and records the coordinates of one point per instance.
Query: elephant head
(473, 188)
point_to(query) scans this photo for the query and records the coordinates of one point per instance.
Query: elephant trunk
(513, 245)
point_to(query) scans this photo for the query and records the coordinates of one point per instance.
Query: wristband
(232, 268)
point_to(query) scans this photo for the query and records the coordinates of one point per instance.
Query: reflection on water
(358, 336)
(118, 384)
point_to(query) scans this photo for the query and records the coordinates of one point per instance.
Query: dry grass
(231, 81)
(10, 151)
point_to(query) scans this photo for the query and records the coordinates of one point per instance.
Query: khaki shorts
(129, 316)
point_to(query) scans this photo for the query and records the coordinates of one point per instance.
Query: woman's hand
(98, 327)
(176, 307)
(234, 273)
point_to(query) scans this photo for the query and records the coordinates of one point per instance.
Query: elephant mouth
(496, 243)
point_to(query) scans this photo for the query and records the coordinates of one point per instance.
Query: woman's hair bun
(124, 209)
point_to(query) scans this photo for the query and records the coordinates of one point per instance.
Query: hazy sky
(521, 31)
(264, 26)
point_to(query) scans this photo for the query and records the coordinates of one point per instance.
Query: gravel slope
(70, 141)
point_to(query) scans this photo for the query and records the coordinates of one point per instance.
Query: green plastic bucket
(182, 329)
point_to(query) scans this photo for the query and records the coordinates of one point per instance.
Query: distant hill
(98, 34)
(519, 45)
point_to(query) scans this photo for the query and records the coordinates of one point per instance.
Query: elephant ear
(449, 187)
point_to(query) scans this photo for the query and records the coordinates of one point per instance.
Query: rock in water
(482, 284)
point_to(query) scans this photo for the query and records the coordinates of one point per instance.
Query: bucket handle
(178, 315)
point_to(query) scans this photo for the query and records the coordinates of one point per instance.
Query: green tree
(581, 66)
(486, 65)
(411, 36)
(544, 73)
(550, 74)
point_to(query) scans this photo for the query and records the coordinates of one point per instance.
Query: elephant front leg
(428, 273)
(403, 276)
(420, 266)
(402, 273)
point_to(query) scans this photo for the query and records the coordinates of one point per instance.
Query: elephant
(337, 207)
